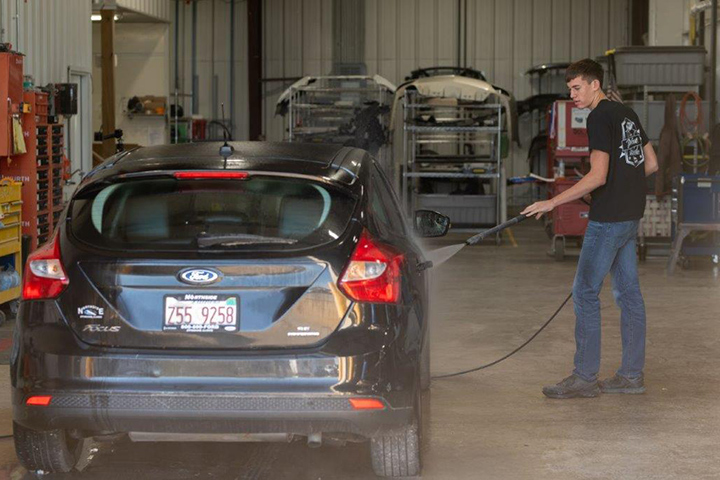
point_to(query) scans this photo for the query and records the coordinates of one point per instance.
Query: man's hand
(539, 209)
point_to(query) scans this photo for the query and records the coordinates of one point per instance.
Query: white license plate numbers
(201, 313)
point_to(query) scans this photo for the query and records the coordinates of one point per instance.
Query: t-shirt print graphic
(631, 145)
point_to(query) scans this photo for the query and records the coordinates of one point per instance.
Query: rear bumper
(99, 391)
(216, 413)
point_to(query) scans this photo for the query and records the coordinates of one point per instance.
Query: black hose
(463, 372)
(4, 437)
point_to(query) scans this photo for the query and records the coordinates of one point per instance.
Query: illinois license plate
(201, 313)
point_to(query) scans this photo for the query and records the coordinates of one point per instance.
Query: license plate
(201, 313)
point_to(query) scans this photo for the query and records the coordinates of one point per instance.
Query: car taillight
(44, 274)
(373, 274)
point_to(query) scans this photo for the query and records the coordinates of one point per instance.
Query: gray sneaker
(572, 387)
(620, 384)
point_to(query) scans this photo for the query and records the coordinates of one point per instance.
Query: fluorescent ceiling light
(96, 17)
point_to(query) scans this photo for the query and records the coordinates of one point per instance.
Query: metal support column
(713, 63)
(254, 9)
(107, 40)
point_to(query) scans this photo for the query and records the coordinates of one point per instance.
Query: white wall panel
(426, 39)
(522, 48)
(619, 17)
(542, 34)
(387, 54)
(142, 69)
(502, 73)
(407, 39)
(213, 58)
(372, 39)
(579, 31)
(484, 37)
(162, 9)
(599, 26)
(447, 34)
(312, 38)
(561, 39)
(669, 21)
(53, 35)
(503, 36)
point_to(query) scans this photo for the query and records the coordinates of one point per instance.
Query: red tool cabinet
(40, 170)
(11, 95)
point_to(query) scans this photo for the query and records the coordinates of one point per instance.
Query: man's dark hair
(586, 68)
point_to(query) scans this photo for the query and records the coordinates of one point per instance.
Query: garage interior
(464, 105)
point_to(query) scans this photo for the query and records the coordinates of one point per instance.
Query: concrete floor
(496, 423)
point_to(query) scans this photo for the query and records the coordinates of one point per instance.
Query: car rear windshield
(170, 214)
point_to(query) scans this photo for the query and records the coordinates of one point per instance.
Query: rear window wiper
(238, 239)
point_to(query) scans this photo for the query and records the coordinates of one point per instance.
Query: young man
(620, 159)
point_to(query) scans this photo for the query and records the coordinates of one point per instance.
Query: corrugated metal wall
(297, 41)
(213, 60)
(52, 34)
(504, 37)
(161, 9)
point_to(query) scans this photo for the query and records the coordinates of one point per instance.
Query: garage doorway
(79, 130)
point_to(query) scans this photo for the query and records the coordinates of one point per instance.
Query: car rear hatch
(198, 262)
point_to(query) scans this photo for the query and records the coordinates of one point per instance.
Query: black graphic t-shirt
(615, 129)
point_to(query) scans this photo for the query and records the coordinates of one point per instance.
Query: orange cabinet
(11, 95)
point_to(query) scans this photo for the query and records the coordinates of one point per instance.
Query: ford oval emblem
(199, 276)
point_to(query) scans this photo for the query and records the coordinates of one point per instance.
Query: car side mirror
(431, 224)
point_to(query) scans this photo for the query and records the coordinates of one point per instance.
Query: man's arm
(651, 163)
(599, 164)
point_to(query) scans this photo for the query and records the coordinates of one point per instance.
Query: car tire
(396, 453)
(425, 377)
(50, 451)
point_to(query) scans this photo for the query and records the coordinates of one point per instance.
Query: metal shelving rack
(325, 109)
(467, 149)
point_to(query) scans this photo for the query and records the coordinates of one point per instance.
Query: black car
(270, 294)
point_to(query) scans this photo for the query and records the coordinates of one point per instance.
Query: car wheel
(51, 451)
(425, 378)
(396, 452)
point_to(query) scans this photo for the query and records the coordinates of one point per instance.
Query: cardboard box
(154, 105)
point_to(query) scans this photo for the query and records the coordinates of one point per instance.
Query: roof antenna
(226, 150)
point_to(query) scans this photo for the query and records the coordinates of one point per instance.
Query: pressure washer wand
(499, 228)
(441, 255)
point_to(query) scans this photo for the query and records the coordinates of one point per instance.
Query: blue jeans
(608, 247)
